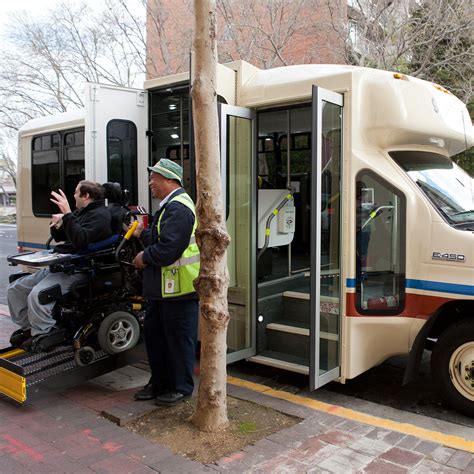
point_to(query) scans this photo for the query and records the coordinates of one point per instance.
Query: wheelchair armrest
(49, 295)
(100, 245)
(16, 276)
(48, 242)
(76, 287)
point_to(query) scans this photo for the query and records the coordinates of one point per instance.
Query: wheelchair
(103, 311)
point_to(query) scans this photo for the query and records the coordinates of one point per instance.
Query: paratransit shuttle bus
(352, 229)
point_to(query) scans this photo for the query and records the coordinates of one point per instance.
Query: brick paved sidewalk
(67, 432)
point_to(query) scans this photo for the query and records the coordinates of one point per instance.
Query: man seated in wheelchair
(32, 298)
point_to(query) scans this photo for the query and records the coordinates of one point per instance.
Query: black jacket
(176, 227)
(82, 227)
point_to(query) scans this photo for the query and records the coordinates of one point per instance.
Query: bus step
(296, 306)
(293, 327)
(283, 361)
(288, 338)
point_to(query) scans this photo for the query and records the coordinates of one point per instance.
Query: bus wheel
(452, 366)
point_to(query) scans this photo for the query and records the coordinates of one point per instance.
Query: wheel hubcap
(461, 370)
(121, 334)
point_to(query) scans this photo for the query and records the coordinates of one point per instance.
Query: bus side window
(57, 162)
(74, 170)
(380, 246)
(45, 172)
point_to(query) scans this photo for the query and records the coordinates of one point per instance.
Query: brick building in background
(266, 33)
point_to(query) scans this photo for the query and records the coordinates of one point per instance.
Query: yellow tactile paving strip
(451, 441)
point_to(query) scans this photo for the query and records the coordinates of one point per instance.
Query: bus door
(238, 185)
(325, 295)
(116, 146)
(298, 237)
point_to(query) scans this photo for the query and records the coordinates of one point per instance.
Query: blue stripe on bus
(440, 287)
(427, 285)
(32, 245)
(351, 282)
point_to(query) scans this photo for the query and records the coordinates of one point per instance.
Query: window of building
(122, 156)
(380, 246)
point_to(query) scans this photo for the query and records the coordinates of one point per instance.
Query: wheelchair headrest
(115, 195)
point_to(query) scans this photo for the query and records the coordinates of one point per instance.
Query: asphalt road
(8, 243)
(376, 391)
(380, 385)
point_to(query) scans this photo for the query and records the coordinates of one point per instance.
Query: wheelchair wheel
(84, 356)
(118, 332)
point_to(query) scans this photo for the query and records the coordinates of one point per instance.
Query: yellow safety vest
(177, 278)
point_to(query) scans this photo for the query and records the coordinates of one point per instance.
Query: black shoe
(171, 398)
(19, 337)
(27, 343)
(44, 342)
(148, 392)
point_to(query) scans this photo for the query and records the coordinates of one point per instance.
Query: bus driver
(89, 222)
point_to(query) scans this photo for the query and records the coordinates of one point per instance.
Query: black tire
(118, 332)
(84, 356)
(452, 366)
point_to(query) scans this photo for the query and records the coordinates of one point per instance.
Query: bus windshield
(449, 188)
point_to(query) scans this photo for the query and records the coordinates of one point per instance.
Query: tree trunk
(211, 235)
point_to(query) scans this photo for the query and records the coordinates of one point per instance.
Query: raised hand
(61, 201)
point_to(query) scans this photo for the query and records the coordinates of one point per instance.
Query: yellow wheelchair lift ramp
(12, 384)
(26, 375)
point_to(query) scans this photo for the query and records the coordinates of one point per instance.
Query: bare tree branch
(427, 39)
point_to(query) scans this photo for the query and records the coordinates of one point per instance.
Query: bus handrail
(271, 217)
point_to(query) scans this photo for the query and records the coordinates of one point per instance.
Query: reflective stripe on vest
(177, 278)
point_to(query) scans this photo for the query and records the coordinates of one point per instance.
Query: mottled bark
(211, 235)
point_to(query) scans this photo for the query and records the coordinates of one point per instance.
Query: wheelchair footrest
(44, 342)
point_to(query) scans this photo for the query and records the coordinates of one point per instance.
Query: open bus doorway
(298, 261)
(285, 164)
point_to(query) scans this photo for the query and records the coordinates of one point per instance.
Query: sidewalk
(78, 430)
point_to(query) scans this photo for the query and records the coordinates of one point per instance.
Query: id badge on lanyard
(172, 281)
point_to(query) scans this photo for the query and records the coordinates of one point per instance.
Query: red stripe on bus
(416, 306)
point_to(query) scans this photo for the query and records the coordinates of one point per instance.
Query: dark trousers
(170, 338)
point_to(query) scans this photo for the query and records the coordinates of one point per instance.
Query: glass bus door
(325, 295)
(238, 184)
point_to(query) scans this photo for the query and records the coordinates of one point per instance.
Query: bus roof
(297, 73)
(60, 121)
(266, 86)
(394, 109)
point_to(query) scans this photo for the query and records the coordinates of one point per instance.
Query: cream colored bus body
(383, 112)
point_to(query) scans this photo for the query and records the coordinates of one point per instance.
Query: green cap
(169, 169)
